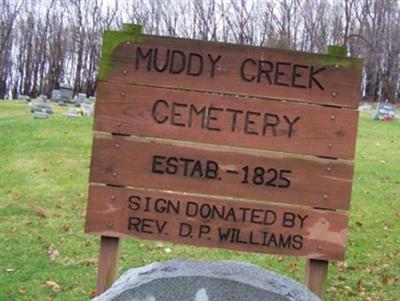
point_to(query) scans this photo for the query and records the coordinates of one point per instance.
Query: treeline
(45, 43)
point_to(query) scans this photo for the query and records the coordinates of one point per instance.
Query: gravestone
(66, 94)
(55, 95)
(385, 110)
(40, 115)
(39, 106)
(204, 281)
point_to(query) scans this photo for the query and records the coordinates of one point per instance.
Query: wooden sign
(235, 69)
(123, 161)
(228, 120)
(210, 222)
(220, 145)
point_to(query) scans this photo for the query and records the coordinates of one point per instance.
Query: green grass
(44, 166)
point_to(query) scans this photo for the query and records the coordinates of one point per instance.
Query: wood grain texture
(108, 263)
(235, 121)
(126, 161)
(317, 234)
(217, 67)
(315, 276)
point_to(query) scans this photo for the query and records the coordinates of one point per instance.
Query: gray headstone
(204, 281)
(55, 95)
(40, 115)
(385, 109)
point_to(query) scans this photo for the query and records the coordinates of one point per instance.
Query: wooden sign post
(221, 145)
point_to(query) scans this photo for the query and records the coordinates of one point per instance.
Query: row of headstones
(384, 110)
(42, 108)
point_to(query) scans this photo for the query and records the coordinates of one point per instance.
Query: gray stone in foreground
(178, 280)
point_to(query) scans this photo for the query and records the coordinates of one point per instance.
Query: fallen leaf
(88, 261)
(42, 213)
(53, 252)
(167, 250)
(22, 290)
(92, 294)
(55, 287)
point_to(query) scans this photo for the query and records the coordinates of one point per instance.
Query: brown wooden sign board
(210, 222)
(228, 120)
(124, 161)
(267, 135)
(237, 69)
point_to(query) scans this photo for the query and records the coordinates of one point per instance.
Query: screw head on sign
(110, 225)
(333, 94)
(333, 117)
(328, 169)
(119, 124)
(330, 145)
(337, 66)
(122, 93)
(323, 221)
(325, 196)
(117, 145)
(114, 174)
(319, 248)
(113, 197)
(125, 72)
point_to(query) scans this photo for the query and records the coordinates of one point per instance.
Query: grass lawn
(45, 255)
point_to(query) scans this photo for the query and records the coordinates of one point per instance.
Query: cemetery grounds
(45, 254)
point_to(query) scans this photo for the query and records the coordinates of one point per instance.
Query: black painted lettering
(156, 112)
(172, 165)
(204, 230)
(297, 242)
(248, 122)
(199, 70)
(157, 161)
(191, 209)
(194, 112)
(296, 75)
(175, 114)
(134, 202)
(186, 165)
(160, 205)
(133, 223)
(197, 170)
(291, 123)
(177, 65)
(279, 74)
(185, 230)
(302, 219)
(313, 79)
(225, 234)
(160, 226)
(234, 118)
(213, 64)
(285, 241)
(156, 61)
(212, 169)
(242, 72)
(211, 118)
(265, 67)
(252, 241)
(270, 121)
(147, 225)
(288, 220)
(141, 56)
(269, 217)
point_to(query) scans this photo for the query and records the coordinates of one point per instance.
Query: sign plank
(208, 222)
(235, 69)
(126, 161)
(228, 120)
